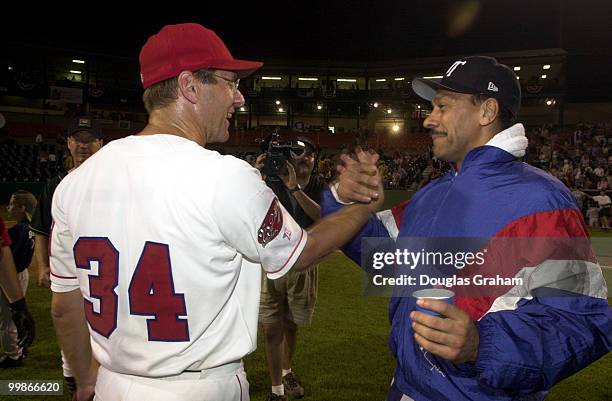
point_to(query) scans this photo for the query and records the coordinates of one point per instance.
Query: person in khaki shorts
(289, 302)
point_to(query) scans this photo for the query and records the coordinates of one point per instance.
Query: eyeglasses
(232, 82)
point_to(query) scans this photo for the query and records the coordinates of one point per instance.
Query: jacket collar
(505, 146)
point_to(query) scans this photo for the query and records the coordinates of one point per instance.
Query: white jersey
(166, 241)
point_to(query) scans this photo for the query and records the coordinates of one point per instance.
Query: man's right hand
(44, 279)
(360, 180)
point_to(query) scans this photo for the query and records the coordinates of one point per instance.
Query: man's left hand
(453, 337)
(289, 179)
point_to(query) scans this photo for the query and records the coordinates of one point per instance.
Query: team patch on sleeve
(271, 225)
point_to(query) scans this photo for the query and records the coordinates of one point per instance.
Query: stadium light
(242, 108)
(381, 80)
(280, 109)
(395, 128)
(271, 78)
(389, 111)
(546, 67)
(517, 77)
(346, 80)
(399, 79)
(78, 61)
(375, 104)
(319, 107)
(76, 72)
(419, 106)
(517, 68)
(307, 79)
(543, 76)
(10, 68)
(277, 102)
(433, 77)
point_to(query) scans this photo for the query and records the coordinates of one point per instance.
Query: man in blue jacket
(517, 344)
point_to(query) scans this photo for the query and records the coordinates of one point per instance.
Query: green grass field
(343, 356)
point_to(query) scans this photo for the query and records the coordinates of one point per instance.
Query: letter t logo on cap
(454, 66)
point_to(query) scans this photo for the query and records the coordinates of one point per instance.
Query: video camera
(278, 152)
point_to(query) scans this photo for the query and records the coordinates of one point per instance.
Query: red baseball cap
(187, 47)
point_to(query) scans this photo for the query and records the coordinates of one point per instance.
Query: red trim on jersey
(565, 223)
(290, 256)
(58, 276)
(240, 384)
(398, 213)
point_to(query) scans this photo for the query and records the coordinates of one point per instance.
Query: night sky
(352, 31)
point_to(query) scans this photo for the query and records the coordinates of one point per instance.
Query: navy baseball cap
(84, 123)
(476, 75)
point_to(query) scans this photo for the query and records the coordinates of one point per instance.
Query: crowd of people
(582, 160)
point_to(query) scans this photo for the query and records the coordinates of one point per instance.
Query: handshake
(360, 180)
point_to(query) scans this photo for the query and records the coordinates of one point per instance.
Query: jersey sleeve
(61, 258)
(254, 222)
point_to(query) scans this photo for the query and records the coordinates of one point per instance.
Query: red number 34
(151, 291)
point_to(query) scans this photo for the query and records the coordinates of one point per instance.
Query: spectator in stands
(602, 184)
(20, 208)
(43, 156)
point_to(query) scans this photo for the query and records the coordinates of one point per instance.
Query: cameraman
(289, 301)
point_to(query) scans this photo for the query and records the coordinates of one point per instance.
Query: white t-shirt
(199, 226)
(602, 200)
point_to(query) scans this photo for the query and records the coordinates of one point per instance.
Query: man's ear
(187, 86)
(489, 109)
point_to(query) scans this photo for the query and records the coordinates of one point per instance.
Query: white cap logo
(492, 87)
(454, 66)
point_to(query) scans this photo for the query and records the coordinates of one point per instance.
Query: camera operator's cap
(308, 142)
(84, 123)
(476, 75)
(190, 47)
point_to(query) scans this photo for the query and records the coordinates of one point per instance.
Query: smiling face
(454, 125)
(220, 100)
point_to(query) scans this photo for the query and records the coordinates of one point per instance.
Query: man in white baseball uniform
(163, 240)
